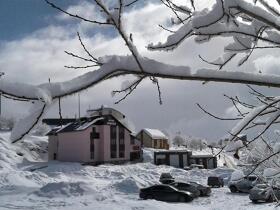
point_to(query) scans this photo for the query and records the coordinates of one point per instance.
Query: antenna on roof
(79, 105)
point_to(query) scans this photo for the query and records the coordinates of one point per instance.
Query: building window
(132, 140)
(91, 148)
(94, 134)
(113, 148)
(54, 156)
(121, 142)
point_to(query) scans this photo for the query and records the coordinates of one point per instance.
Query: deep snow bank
(60, 189)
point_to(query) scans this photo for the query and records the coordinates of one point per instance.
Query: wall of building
(107, 145)
(182, 159)
(145, 139)
(160, 144)
(73, 146)
(175, 159)
(52, 146)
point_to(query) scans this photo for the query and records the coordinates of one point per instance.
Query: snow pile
(63, 185)
(10, 154)
(148, 155)
(127, 185)
(61, 189)
(237, 175)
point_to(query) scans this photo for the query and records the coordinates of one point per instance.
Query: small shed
(183, 158)
(207, 160)
(176, 158)
(153, 138)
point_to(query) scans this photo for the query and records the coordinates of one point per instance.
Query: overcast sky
(34, 36)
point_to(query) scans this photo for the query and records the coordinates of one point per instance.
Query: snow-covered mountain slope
(73, 186)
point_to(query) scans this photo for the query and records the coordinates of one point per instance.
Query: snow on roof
(87, 124)
(202, 155)
(155, 133)
(75, 126)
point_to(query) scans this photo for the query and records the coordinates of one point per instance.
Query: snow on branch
(250, 25)
(247, 23)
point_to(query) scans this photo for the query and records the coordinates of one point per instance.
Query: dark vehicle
(186, 187)
(204, 190)
(166, 178)
(244, 185)
(215, 181)
(195, 188)
(165, 193)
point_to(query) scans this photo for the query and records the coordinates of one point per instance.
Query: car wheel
(270, 199)
(233, 189)
(255, 201)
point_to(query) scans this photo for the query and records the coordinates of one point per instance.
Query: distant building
(183, 158)
(103, 136)
(153, 138)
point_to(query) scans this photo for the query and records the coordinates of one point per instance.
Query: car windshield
(167, 175)
(252, 178)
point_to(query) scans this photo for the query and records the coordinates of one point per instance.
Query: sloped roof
(93, 116)
(155, 133)
(103, 111)
(75, 126)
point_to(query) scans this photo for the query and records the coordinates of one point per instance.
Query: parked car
(166, 178)
(225, 177)
(203, 189)
(264, 193)
(165, 193)
(186, 187)
(244, 185)
(215, 181)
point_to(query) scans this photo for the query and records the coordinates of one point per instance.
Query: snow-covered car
(165, 193)
(215, 181)
(264, 193)
(166, 178)
(244, 184)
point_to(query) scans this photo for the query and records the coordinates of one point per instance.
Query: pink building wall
(75, 146)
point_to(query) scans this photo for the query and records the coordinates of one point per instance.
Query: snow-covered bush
(197, 143)
(178, 141)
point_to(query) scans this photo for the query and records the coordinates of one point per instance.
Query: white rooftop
(155, 133)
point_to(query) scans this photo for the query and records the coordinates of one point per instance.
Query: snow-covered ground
(72, 186)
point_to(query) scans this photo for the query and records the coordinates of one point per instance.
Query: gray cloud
(40, 56)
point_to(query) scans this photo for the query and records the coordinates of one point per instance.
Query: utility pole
(79, 105)
(1, 74)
